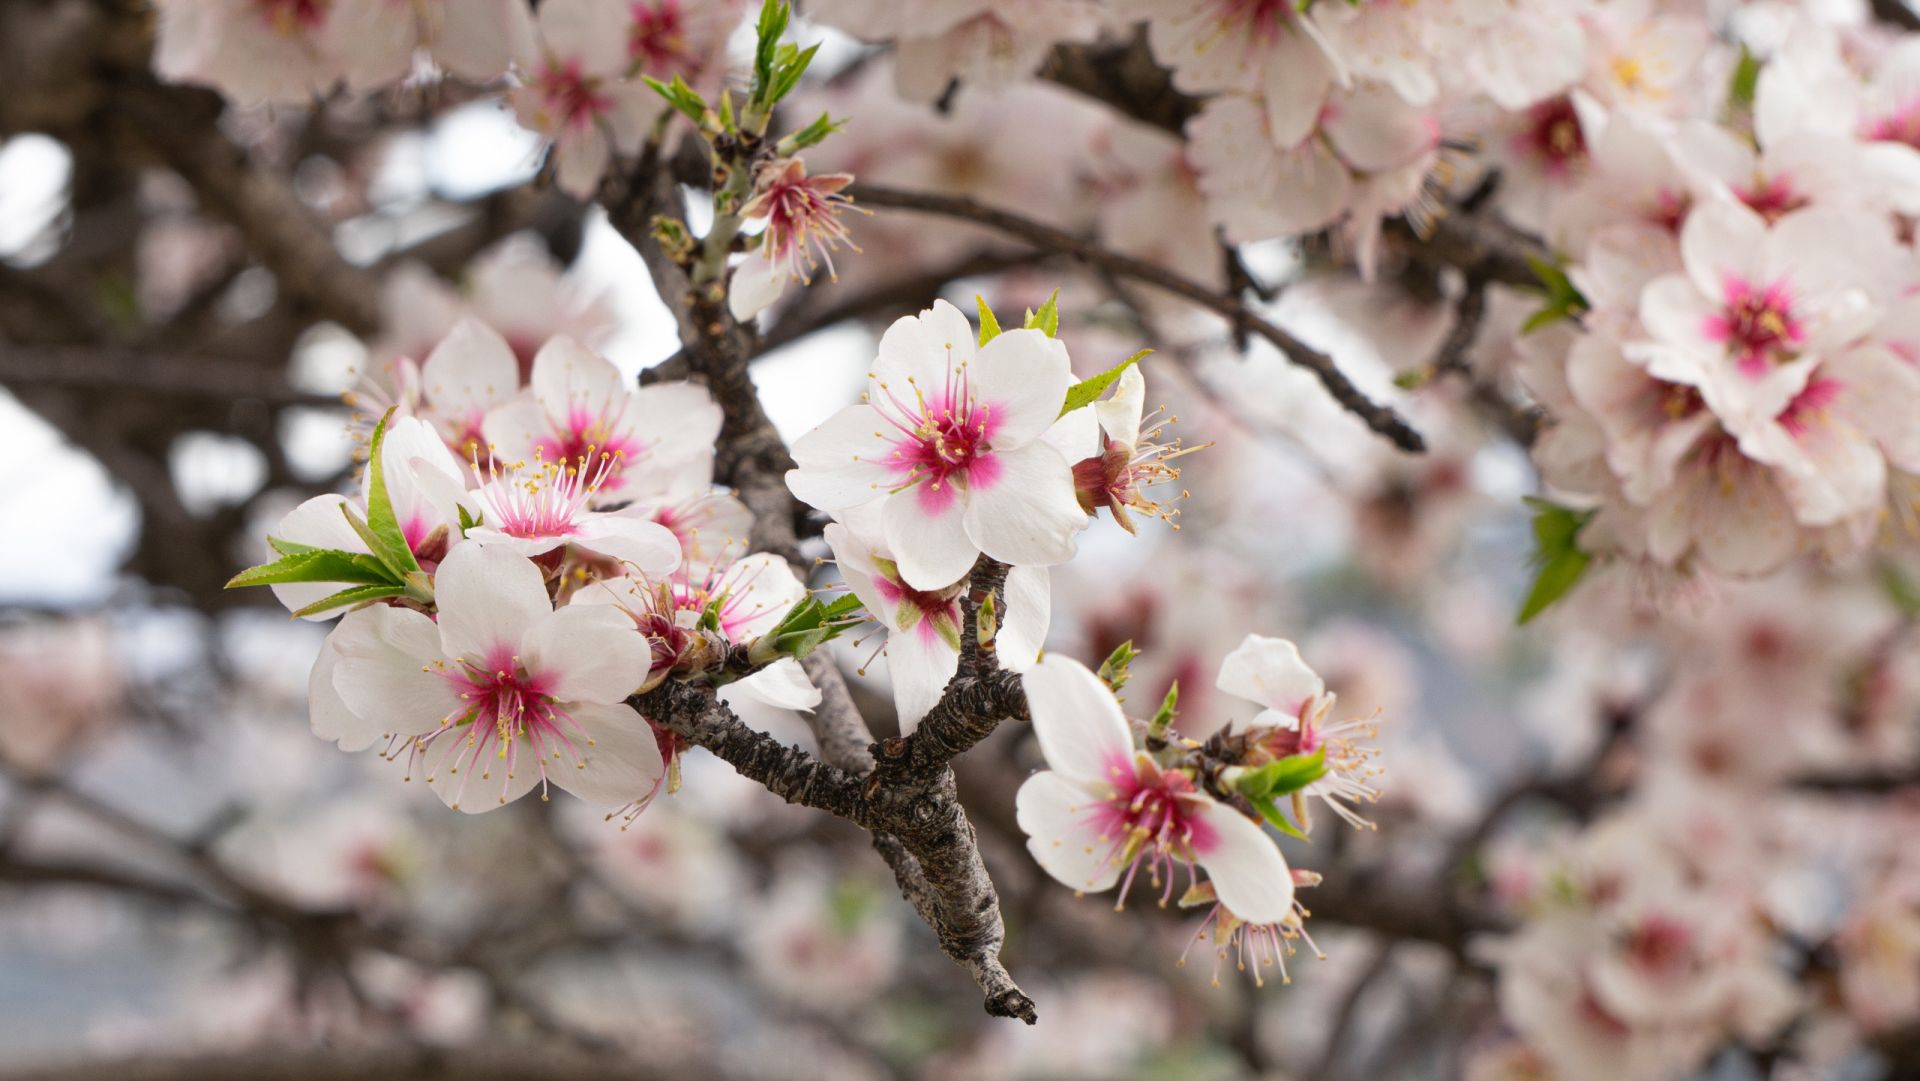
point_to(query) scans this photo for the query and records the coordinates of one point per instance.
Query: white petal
(919, 665)
(327, 712)
(1079, 725)
(1121, 411)
(488, 598)
(568, 375)
(782, 684)
(469, 372)
(1296, 79)
(384, 672)
(1269, 671)
(476, 785)
(1023, 625)
(586, 653)
(1021, 377)
(923, 348)
(928, 535)
(842, 463)
(1028, 515)
(1722, 240)
(514, 429)
(621, 765)
(755, 286)
(317, 522)
(646, 546)
(1249, 874)
(1061, 821)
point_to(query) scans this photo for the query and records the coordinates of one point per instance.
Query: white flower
(1102, 810)
(923, 626)
(423, 485)
(499, 695)
(950, 441)
(580, 406)
(1269, 671)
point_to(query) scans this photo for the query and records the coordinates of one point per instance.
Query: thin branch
(98, 368)
(1380, 418)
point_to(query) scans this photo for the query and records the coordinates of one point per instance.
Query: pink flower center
(541, 499)
(1149, 822)
(507, 721)
(1810, 406)
(932, 607)
(942, 440)
(1266, 20)
(570, 97)
(803, 218)
(1660, 946)
(1772, 197)
(1756, 324)
(588, 435)
(658, 37)
(1552, 137)
(293, 16)
(1900, 126)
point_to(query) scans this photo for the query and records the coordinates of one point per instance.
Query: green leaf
(809, 624)
(1047, 319)
(788, 76)
(317, 565)
(1271, 812)
(774, 15)
(989, 326)
(1283, 777)
(1163, 717)
(1901, 590)
(468, 520)
(1557, 558)
(1564, 301)
(1113, 670)
(1746, 80)
(681, 96)
(811, 135)
(1087, 391)
(355, 595)
(386, 538)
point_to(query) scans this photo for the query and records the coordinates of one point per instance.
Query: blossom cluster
(575, 68)
(567, 549)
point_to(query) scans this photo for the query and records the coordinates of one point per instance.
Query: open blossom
(578, 405)
(499, 694)
(423, 484)
(1262, 185)
(747, 597)
(950, 441)
(1269, 671)
(1268, 49)
(470, 372)
(1759, 304)
(1130, 461)
(803, 228)
(253, 50)
(536, 507)
(1103, 811)
(576, 93)
(924, 626)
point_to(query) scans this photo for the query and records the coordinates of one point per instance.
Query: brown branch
(922, 831)
(1382, 419)
(101, 368)
(180, 125)
(1896, 13)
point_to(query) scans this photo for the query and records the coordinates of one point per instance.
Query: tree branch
(1380, 418)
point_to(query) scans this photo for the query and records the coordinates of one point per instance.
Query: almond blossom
(1759, 304)
(1103, 811)
(497, 696)
(578, 406)
(422, 480)
(536, 507)
(803, 228)
(254, 50)
(949, 441)
(576, 92)
(924, 626)
(1129, 462)
(1269, 671)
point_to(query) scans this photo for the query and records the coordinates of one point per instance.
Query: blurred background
(194, 886)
